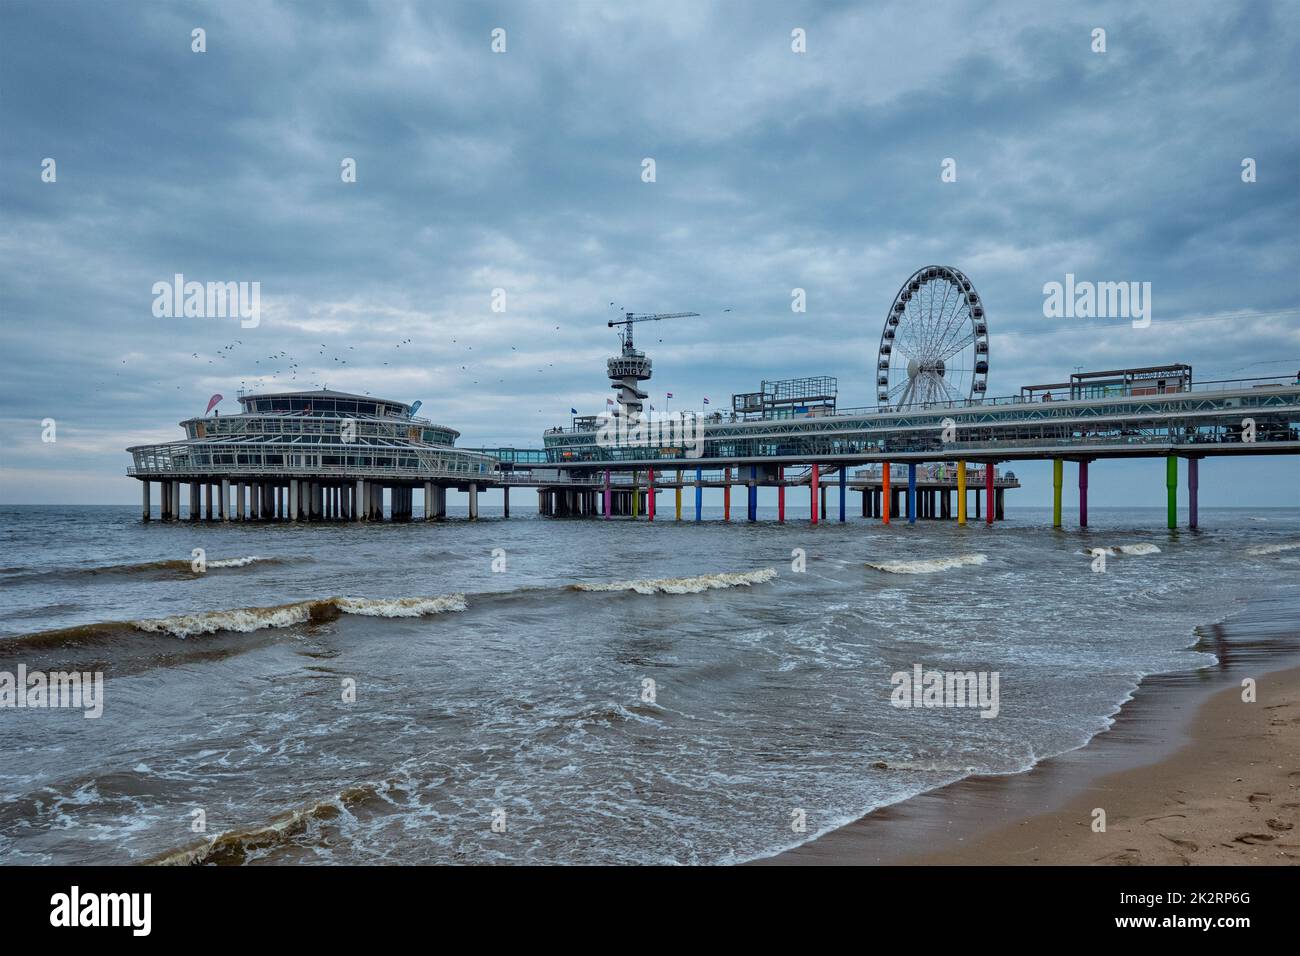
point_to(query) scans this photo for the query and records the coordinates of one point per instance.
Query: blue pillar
(844, 477)
(753, 492)
(911, 493)
(699, 493)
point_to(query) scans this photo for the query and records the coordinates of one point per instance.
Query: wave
(173, 568)
(930, 565)
(235, 846)
(692, 585)
(1113, 550)
(242, 620)
(1273, 548)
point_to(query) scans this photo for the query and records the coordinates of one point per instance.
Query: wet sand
(1188, 774)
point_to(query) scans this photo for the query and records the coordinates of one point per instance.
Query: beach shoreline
(1188, 773)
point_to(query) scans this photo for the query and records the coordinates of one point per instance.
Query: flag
(212, 402)
(706, 399)
(609, 401)
(416, 407)
(573, 411)
(669, 394)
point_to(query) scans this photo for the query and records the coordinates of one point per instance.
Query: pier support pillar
(1058, 472)
(780, 495)
(752, 500)
(911, 492)
(239, 501)
(999, 496)
(885, 497)
(194, 501)
(961, 492)
(144, 488)
(726, 494)
(225, 499)
(678, 498)
(1171, 489)
(990, 506)
(844, 488)
(650, 495)
(428, 500)
(505, 501)
(1193, 487)
(1083, 493)
(207, 500)
(473, 501)
(699, 494)
(812, 502)
(359, 502)
(606, 503)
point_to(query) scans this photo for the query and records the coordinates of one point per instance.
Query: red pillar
(726, 493)
(780, 496)
(650, 495)
(988, 492)
(813, 503)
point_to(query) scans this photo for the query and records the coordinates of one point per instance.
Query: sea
(573, 690)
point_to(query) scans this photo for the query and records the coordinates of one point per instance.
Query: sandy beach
(1188, 774)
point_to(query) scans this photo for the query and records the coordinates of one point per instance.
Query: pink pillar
(650, 495)
(1193, 483)
(989, 469)
(780, 496)
(607, 493)
(813, 496)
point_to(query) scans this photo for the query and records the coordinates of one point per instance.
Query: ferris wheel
(935, 345)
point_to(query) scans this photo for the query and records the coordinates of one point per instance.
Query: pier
(934, 447)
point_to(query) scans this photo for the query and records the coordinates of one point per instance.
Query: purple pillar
(1083, 493)
(606, 492)
(1193, 482)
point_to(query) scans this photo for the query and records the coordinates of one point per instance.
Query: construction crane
(629, 319)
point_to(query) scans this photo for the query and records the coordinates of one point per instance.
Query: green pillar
(1058, 472)
(1171, 484)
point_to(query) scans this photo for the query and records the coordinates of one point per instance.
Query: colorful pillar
(699, 494)
(885, 499)
(812, 498)
(1058, 473)
(726, 493)
(1083, 493)
(961, 492)
(607, 493)
(1193, 484)
(780, 495)
(1171, 488)
(844, 488)
(679, 495)
(650, 495)
(990, 507)
(753, 493)
(636, 498)
(911, 492)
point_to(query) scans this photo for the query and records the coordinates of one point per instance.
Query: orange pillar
(726, 493)
(780, 496)
(884, 493)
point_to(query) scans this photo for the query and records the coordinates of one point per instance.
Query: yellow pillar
(961, 492)
(636, 497)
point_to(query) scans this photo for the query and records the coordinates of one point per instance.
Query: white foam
(1274, 548)
(241, 620)
(248, 619)
(930, 565)
(694, 585)
(235, 562)
(401, 607)
(1140, 548)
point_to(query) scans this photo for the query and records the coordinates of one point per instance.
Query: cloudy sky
(522, 171)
